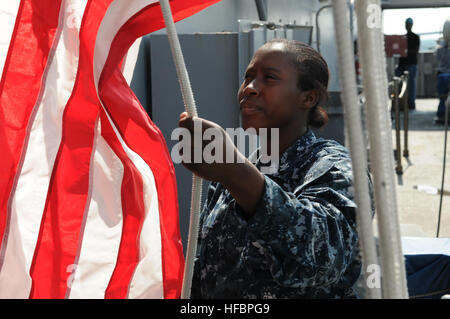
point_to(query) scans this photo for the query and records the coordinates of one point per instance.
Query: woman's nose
(251, 88)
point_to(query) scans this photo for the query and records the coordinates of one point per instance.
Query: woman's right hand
(234, 171)
(208, 158)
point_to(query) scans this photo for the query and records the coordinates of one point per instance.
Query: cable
(446, 34)
(447, 105)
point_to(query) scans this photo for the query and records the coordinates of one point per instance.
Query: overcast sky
(425, 20)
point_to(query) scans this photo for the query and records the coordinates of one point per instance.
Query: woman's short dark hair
(313, 75)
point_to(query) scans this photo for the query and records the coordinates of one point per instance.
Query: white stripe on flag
(30, 195)
(147, 281)
(103, 230)
(119, 12)
(118, 253)
(149, 268)
(8, 12)
(130, 60)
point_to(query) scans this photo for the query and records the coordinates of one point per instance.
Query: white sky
(425, 20)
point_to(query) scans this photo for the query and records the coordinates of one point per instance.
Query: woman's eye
(271, 77)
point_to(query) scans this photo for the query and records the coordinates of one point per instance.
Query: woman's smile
(248, 108)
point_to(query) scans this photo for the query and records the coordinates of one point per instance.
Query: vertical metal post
(405, 114)
(262, 12)
(398, 151)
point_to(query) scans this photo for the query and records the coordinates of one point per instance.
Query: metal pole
(261, 7)
(398, 151)
(405, 114)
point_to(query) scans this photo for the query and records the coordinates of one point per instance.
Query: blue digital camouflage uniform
(300, 243)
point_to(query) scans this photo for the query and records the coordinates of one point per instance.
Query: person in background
(409, 63)
(443, 74)
(290, 233)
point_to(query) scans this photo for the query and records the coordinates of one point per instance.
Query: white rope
(373, 62)
(189, 103)
(357, 145)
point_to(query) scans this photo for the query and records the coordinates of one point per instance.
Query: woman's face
(269, 96)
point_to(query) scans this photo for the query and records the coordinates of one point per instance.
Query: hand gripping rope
(394, 279)
(191, 109)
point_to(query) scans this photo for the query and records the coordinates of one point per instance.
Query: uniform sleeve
(306, 238)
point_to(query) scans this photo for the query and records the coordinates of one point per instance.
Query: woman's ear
(309, 99)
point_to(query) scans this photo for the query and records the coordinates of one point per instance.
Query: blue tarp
(427, 262)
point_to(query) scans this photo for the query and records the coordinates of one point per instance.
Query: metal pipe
(356, 137)
(373, 62)
(261, 7)
(398, 151)
(317, 26)
(405, 114)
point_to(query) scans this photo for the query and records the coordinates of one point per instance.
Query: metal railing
(399, 95)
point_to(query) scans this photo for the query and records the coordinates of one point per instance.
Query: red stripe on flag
(61, 229)
(133, 209)
(146, 139)
(143, 137)
(59, 238)
(139, 25)
(29, 50)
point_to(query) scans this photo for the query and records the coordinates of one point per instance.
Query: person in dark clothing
(409, 63)
(290, 233)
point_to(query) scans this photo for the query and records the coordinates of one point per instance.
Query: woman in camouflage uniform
(291, 233)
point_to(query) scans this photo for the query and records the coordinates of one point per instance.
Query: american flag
(88, 198)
